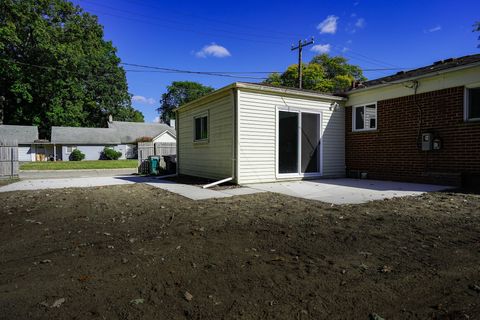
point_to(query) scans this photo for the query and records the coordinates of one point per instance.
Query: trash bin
(154, 165)
(170, 163)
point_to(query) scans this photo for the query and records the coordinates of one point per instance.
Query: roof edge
(263, 88)
(423, 76)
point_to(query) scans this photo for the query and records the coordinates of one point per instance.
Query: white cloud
(434, 29)
(156, 119)
(213, 50)
(144, 100)
(329, 25)
(360, 23)
(345, 49)
(321, 48)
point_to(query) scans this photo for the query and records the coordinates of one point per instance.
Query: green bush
(76, 155)
(110, 154)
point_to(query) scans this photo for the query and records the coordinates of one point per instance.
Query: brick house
(422, 125)
(419, 126)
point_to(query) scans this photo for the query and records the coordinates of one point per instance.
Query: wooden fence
(146, 149)
(8, 159)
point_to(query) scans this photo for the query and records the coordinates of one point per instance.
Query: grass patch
(78, 165)
(5, 181)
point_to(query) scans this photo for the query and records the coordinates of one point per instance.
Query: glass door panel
(288, 142)
(310, 140)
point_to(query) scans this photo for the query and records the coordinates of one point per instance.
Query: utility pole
(300, 46)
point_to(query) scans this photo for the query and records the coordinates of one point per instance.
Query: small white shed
(259, 133)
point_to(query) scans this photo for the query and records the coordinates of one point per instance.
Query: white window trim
(201, 115)
(72, 147)
(298, 174)
(465, 103)
(354, 118)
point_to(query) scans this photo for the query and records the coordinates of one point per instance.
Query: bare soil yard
(137, 252)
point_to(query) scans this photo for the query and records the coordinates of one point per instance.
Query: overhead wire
(228, 33)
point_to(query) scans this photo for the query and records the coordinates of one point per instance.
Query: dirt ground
(137, 252)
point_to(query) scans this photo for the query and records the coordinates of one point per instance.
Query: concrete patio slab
(241, 191)
(42, 184)
(81, 173)
(188, 191)
(347, 191)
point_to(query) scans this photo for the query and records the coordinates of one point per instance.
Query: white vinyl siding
(213, 159)
(257, 134)
(26, 153)
(165, 137)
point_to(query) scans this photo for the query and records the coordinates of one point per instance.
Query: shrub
(144, 139)
(110, 154)
(76, 155)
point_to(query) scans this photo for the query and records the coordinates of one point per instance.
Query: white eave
(263, 88)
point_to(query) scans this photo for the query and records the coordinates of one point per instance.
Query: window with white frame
(364, 117)
(200, 124)
(472, 103)
(70, 149)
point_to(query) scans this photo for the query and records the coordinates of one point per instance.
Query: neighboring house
(130, 132)
(258, 133)
(25, 136)
(90, 141)
(420, 126)
(121, 136)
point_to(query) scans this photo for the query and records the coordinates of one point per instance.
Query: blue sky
(247, 36)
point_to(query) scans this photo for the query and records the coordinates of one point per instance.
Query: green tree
(56, 69)
(323, 73)
(178, 93)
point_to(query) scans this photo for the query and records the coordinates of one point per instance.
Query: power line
(155, 69)
(166, 70)
(185, 29)
(242, 26)
(176, 22)
(228, 33)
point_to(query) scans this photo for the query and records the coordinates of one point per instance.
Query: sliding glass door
(299, 149)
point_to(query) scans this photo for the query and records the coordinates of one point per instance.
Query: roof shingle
(22, 134)
(129, 132)
(435, 67)
(84, 136)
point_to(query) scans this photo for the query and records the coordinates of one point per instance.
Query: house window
(201, 127)
(70, 149)
(472, 105)
(365, 117)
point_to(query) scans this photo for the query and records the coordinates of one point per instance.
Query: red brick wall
(392, 152)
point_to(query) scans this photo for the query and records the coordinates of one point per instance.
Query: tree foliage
(323, 73)
(56, 69)
(178, 94)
